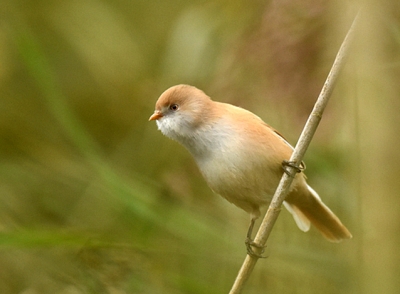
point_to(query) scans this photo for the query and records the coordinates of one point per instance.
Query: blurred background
(93, 199)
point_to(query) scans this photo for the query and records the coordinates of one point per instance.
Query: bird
(241, 159)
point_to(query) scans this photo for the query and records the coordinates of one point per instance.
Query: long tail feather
(310, 207)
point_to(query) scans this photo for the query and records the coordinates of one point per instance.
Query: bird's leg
(249, 242)
(298, 169)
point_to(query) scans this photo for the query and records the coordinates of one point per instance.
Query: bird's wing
(302, 164)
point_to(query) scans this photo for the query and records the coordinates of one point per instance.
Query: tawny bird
(241, 158)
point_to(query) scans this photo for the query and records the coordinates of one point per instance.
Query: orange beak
(156, 115)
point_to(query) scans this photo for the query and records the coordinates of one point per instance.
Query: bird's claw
(292, 164)
(249, 243)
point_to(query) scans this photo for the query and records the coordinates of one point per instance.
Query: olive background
(93, 199)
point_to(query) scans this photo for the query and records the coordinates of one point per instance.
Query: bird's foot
(249, 243)
(292, 164)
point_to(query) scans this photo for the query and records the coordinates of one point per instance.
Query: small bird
(241, 158)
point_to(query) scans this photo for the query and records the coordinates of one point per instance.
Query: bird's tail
(307, 207)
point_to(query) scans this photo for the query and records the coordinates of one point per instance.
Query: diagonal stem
(296, 158)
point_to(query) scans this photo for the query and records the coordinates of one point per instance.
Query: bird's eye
(174, 107)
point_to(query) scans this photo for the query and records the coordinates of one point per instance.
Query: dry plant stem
(297, 156)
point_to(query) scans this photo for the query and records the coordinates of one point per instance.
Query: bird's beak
(156, 115)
